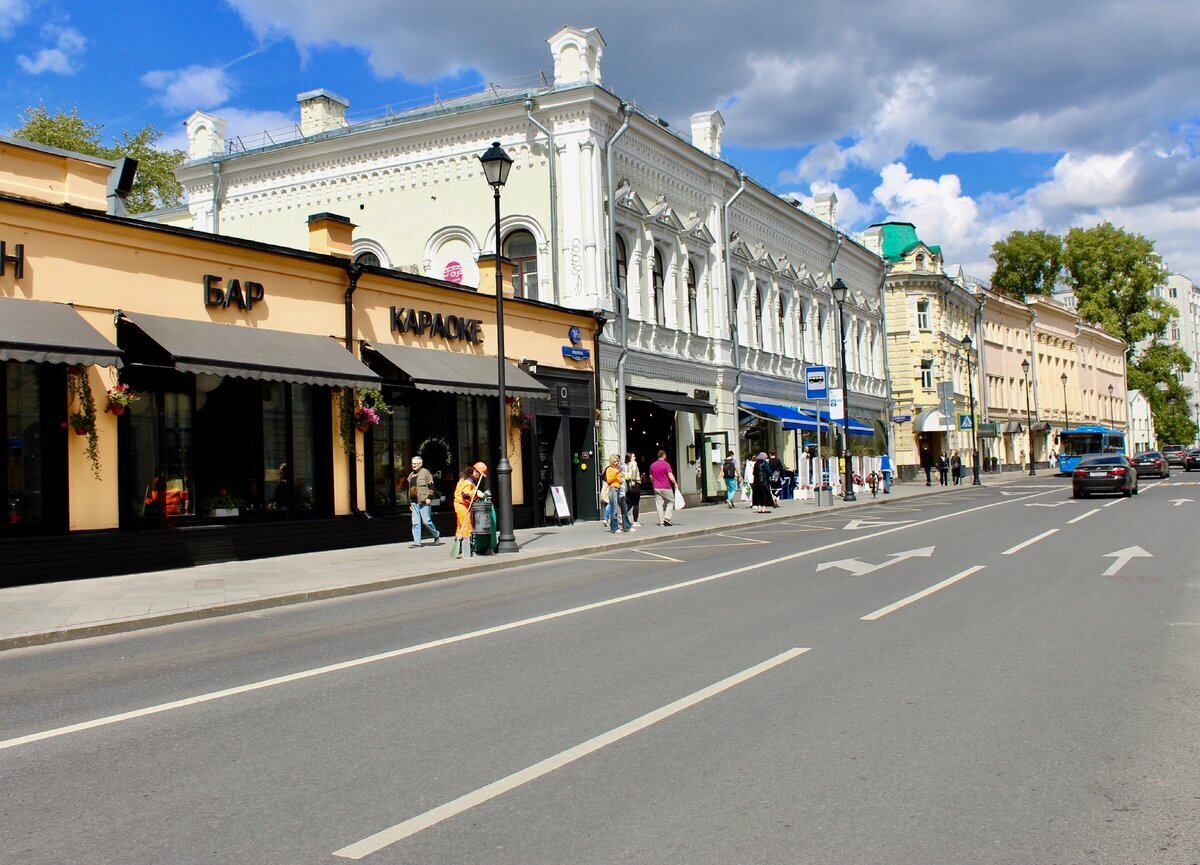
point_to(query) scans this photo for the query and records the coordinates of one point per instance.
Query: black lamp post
(496, 165)
(1028, 414)
(975, 482)
(1066, 411)
(1112, 414)
(839, 291)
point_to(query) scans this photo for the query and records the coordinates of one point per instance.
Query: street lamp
(966, 342)
(1028, 415)
(839, 290)
(1066, 412)
(496, 165)
(1112, 414)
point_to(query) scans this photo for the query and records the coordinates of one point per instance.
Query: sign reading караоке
(421, 321)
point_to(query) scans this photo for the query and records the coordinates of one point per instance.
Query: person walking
(614, 477)
(927, 464)
(464, 497)
(420, 502)
(662, 478)
(885, 469)
(776, 467)
(943, 467)
(633, 487)
(729, 471)
(956, 468)
(761, 499)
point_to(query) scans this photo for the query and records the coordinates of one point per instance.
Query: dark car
(1152, 463)
(1192, 460)
(1104, 473)
(1175, 454)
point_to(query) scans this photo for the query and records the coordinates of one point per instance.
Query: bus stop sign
(816, 384)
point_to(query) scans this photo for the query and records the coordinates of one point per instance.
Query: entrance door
(713, 447)
(547, 447)
(583, 470)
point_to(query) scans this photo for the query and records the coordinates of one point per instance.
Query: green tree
(1156, 373)
(155, 184)
(1027, 262)
(1113, 273)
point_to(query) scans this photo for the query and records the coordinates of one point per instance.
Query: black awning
(252, 352)
(35, 331)
(672, 401)
(457, 372)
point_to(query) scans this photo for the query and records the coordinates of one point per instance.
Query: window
(1174, 291)
(521, 249)
(758, 310)
(693, 310)
(28, 493)
(622, 272)
(927, 375)
(920, 261)
(1175, 333)
(923, 315)
(368, 259)
(779, 341)
(660, 308)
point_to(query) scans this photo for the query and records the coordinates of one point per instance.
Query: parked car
(1152, 463)
(1175, 454)
(1192, 460)
(1104, 473)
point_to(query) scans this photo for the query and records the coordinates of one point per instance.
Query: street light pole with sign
(816, 389)
(975, 482)
(1028, 415)
(839, 291)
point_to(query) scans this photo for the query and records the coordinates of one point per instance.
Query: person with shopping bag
(662, 478)
(464, 498)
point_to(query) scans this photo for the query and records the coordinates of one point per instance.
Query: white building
(1141, 435)
(718, 289)
(1184, 331)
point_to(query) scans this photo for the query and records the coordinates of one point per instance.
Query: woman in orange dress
(464, 497)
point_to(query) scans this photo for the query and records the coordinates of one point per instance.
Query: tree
(1156, 373)
(1113, 273)
(1027, 262)
(155, 184)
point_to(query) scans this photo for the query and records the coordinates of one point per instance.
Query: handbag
(604, 494)
(679, 503)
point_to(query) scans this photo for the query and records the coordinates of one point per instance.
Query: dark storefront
(652, 424)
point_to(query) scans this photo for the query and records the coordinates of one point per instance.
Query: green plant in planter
(368, 407)
(223, 500)
(84, 417)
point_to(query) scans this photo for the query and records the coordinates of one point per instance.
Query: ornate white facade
(413, 186)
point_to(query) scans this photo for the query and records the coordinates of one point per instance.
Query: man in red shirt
(663, 481)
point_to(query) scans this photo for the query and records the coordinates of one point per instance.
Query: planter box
(226, 512)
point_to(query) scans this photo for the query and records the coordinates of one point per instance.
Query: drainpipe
(614, 291)
(888, 405)
(553, 159)
(353, 271)
(216, 201)
(732, 311)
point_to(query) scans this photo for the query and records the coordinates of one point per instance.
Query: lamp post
(1028, 415)
(1112, 414)
(966, 342)
(839, 290)
(496, 165)
(1066, 412)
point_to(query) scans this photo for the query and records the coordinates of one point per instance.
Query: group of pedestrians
(949, 468)
(622, 491)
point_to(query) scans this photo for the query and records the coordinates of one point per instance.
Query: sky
(968, 118)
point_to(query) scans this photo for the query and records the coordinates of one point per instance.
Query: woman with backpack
(761, 491)
(729, 471)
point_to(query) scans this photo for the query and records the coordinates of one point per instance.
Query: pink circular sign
(452, 272)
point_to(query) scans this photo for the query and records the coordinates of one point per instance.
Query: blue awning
(857, 428)
(791, 417)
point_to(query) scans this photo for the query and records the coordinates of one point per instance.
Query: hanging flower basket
(116, 410)
(120, 396)
(364, 426)
(80, 430)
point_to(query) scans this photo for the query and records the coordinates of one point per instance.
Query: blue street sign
(816, 383)
(965, 422)
(576, 353)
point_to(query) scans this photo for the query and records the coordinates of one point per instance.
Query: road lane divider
(924, 593)
(393, 834)
(340, 666)
(1083, 516)
(1012, 550)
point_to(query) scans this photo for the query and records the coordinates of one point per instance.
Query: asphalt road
(954, 679)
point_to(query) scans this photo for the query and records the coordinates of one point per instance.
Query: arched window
(920, 261)
(622, 273)
(779, 340)
(660, 309)
(758, 311)
(369, 259)
(693, 310)
(521, 249)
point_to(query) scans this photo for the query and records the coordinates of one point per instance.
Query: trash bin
(482, 519)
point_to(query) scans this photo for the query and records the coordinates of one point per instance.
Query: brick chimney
(321, 111)
(330, 234)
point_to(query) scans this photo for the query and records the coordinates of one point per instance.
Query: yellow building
(249, 361)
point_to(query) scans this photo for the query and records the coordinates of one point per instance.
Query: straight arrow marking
(1179, 502)
(1122, 557)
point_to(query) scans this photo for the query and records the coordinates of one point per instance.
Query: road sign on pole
(816, 383)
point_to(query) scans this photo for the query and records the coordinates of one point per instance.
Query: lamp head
(1064, 379)
(1025, 366)
(966, 343)
(1110, 390)
(496, 165)
(839, 290)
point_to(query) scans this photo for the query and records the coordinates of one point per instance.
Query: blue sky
(969, 119)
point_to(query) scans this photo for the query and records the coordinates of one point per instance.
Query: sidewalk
(50, 612)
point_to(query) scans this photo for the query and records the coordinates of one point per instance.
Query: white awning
(932, 420)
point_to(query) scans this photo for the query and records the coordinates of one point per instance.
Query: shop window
(161, 455)
(391, 458)
(658, 277)
(693, 310)
(24, 483)
(521, 249)
(289, 459)
(475, 433)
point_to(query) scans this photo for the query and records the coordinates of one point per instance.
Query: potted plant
(120, 396)
(83, 419)
(223, 504)
(365, 417)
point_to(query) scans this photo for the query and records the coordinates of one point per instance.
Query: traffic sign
(816, 382)
(966, 422)
(836, 410)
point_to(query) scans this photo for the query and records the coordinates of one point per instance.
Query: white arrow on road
(1007, 493)
(1122, 557)
(858, 568)
(870, 524)
(1179, 502)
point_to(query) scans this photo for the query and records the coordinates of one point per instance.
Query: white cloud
(196, 87)
(62, 59)
(12, 13)
(850, 210)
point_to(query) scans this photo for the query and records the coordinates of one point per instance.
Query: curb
(493, 563)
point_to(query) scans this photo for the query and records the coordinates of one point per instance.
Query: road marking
(1122, 557)
(1180, 502)
(858, 568)
(1051, 504)
(1114, 502)
(740, 538)
(891, 608)
(1083, 516)
(470, 635)
(660, 556)
(1024, 544)
(412, 826)
(871, 524)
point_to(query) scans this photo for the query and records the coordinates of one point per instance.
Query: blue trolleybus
(1074, 443)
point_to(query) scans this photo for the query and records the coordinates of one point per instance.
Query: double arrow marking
(858, 568)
